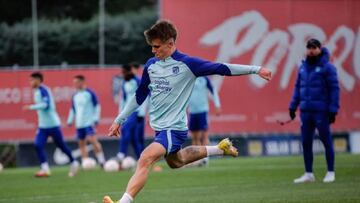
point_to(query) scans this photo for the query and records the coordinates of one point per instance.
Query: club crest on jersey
(175, 70)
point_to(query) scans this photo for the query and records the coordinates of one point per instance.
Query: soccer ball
(88, 163)
(128, 163)
(111, 166)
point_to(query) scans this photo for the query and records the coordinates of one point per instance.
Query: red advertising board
(272, 33)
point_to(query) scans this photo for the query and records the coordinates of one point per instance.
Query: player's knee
(145, 161)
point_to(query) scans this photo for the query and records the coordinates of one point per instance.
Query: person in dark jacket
(317, 95)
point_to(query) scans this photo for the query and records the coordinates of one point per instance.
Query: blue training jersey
(199, 102)
(169, 84)
(85, 109)
(44, 104)
(128, 90)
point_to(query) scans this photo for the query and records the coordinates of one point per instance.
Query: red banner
(272, 33)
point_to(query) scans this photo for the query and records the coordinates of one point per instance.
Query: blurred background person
(140, 126)
(132, 131)
(49, 125)
(198, 109)
(316, 93)
(85, 110)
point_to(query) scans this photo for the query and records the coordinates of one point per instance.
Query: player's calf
(194, 153)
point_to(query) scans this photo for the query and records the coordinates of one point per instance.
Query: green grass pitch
(225, 180)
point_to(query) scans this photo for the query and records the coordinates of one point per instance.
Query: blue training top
(85, 109)
(45, 107)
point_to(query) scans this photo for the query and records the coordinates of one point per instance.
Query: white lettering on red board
(255, 35)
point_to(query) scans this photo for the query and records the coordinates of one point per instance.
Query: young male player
(49, 125)
(85, 109)
(169, 78)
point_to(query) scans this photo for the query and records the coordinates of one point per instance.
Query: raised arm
(202, 67)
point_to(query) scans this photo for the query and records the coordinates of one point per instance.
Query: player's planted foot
(228, 148)
(42, 174)
(74, 168)
(107, 199)
(329, 177)
(306, 178)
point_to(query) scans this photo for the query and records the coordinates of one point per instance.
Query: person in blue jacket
(317, 95)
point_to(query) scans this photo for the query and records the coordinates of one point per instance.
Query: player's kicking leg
(199, 138)
(193, 153)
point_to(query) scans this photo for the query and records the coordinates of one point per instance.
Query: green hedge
(77, 42)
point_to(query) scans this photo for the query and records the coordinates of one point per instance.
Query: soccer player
(132, 129)
(198, 109)
(85, 109)
(49, 125)
(316, 92)
(168, 79)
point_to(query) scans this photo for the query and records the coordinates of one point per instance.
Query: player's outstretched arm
(202, 67)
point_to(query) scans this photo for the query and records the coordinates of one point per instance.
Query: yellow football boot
(107, 199)
(228, 148)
